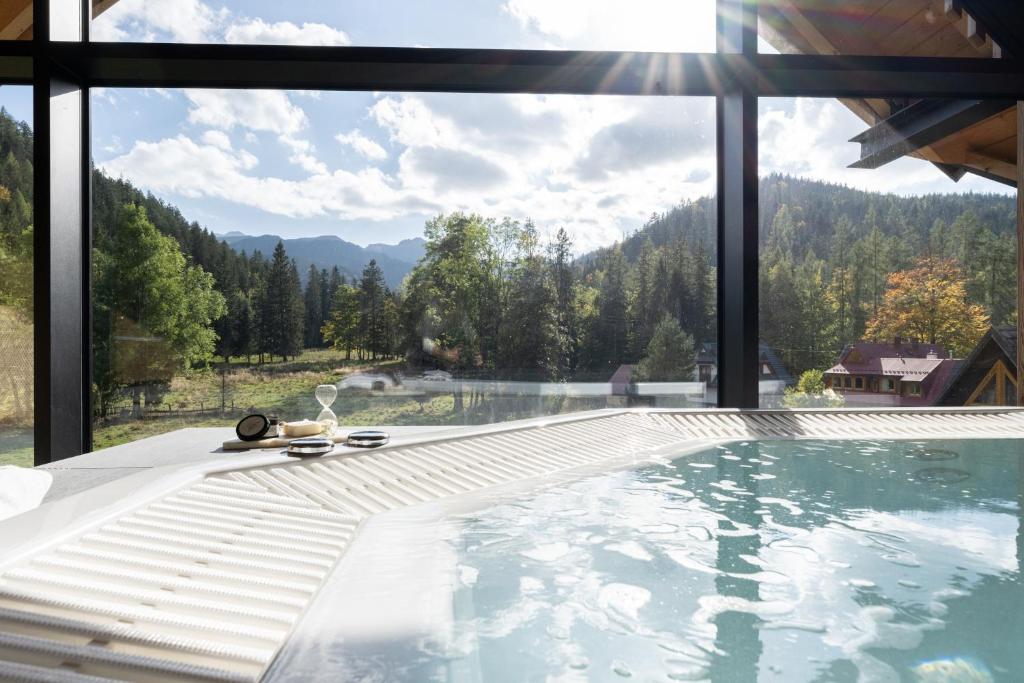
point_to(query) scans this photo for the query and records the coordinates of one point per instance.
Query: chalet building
(987, 377)
(900, 373)
(773, 376)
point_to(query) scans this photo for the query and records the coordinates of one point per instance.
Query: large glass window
(895, 28)
(440, 258)
(642, 25)
(890, 259)
(16, 354)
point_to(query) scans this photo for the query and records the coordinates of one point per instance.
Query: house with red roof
(900, 373)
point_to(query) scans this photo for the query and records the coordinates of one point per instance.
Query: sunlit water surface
(759, 561)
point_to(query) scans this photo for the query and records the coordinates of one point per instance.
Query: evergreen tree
(314, 308)
(611, 334)
(341, 330)
(566, 305)
(281, 312)
(669, 356)
(373, 323)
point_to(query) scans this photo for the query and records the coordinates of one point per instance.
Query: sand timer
(325, 394)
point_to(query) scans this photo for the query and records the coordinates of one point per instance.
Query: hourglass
(325, 394)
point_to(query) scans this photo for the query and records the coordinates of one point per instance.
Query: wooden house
(988, 376)
(901, 373)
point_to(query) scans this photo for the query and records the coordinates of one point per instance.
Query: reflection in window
(441, 258)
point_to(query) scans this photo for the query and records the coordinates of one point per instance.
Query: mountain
(327, 251)
(410, 250)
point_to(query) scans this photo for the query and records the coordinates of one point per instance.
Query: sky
(373, 167)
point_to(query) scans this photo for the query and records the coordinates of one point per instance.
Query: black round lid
(367, 439)
(252, 427)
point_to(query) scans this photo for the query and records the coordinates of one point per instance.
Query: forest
(499, 298)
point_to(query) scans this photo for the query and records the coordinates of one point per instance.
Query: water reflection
(760, 561)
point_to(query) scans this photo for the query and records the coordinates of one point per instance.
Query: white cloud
(193, 21)
(653, 25)
(521, 155)
(362, 144)
(184, 21)
(258, 110)
(183, 167)
(259, 32)
(218, 139)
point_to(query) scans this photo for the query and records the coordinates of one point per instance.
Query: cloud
(183, 21)
(452, 170)
(362, 144)
(193, 21)
(259, 32)
(654, 25)
(183, 167)
(258, 110)
(218, 139)
(652, 137)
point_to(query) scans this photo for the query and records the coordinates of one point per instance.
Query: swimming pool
(750, 561)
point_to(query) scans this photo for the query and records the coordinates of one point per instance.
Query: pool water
(757, 561)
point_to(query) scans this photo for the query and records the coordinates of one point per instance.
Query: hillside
(819, 208)
(826, 254)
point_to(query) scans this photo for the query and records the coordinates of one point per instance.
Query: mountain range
(328, 251)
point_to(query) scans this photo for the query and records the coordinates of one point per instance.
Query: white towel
(22, 489)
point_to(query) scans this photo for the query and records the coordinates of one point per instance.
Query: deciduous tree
(929, 302)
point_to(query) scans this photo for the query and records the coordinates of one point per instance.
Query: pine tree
(669, 356)
(341, 330)
(314, 308)
(373, 329)
(611, 335)
(564, 280)
(281, 311)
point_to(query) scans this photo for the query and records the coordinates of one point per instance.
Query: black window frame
(62, 65)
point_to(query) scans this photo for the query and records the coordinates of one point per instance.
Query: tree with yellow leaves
(929, 302)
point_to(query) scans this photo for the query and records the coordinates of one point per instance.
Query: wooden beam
(101, 6)
(822, 45)
(975, 33)
(952, 9)
(921, 124)
(990, 164)
(1020, 252)
(14, 27)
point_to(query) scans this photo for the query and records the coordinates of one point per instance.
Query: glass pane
(919, 28)
(16, 20)
(643, 25)
(440, 258)
(16, 364)
(880, 265)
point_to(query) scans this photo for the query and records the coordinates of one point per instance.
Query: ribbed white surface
(206, 583)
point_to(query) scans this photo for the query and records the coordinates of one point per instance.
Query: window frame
(62, 65)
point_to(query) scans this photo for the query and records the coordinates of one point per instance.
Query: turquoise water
(759, 561)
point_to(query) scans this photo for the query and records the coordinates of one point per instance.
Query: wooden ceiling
(919, 28)
(16, 17)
